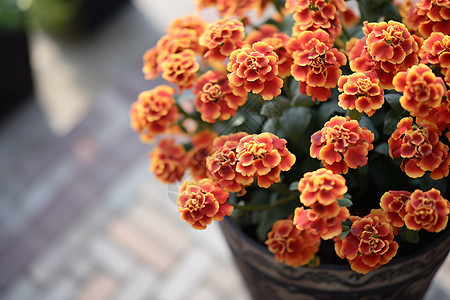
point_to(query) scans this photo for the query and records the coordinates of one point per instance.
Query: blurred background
(81, 217)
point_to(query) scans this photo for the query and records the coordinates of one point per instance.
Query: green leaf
(293, 186)
(382, 148)
(409, 235)
(345, 202)
(365, 121)
(295, 121)
(391, 121)
(271, 125)
(354, 114)
(394, 102)
(329, 108)
(345, 231)
(302, 100)
(275, 107)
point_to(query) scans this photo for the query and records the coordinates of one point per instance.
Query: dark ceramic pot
(404, 278)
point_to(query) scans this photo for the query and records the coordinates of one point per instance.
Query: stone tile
(137, 243)
(101, 286)
(186, 276)
(63, 288)
(206, 292)
(109, 257)
(22, 288)
(159, 227)
(138, 284)
(80, 266)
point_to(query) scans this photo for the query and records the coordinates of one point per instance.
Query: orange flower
(389, 42)
(361, 91)
(409, 12)
(387, 49)
(394, 204)
(294, 247)
(151, 68)
(439, 116)
(270, 35)
(214, 98)
(427, 210)
(341, 144)
(187, 22)
(222, 163)
(348, 18)
(221, 38)
(369, 245)
(237, 8)
(254, 69)
(201, 202)
(201, 148)
(321, 221)
(321, 186)
(180, 68)
(154, 112)
(421, 149)
(263, 156)
(437, 14)
(168, 161)
(311, 15)
(316, 63)
(436, 51)
(421, 89)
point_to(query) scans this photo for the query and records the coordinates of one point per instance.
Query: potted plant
(323, 131)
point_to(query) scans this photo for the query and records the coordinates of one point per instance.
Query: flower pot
(403, 278)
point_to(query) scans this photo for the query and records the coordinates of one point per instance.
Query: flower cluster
(200, 202)
(420, 149)
(154, 112)
(341, 144)
(369, 244)
(293, 246)
(306, 100)
(320, 191)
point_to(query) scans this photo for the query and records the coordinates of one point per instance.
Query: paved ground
(80, 215)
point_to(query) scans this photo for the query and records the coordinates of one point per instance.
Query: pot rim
(445, 235)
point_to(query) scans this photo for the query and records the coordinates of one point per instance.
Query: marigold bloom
(311, 15)
(408, 10)
(321, 221)
(237, 8)
(421, 149)
(316, 63)
(214, 97)
(180, 68)
(187, 22)
(201, 202)
(427, 210)
(201, 148)
(254, 69)
(439, 116)
(294, 247)
(369, 244)
(263, 156)
(341, 144)
(436, 51)
(387, 49)
(421, 89)
(361, 91)
(394, 204)
(168, 161)
(151, 68)
(221, 38)
(270, 35)
(222, 163)
(321, 186)
(154, 112)
(437, 14)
